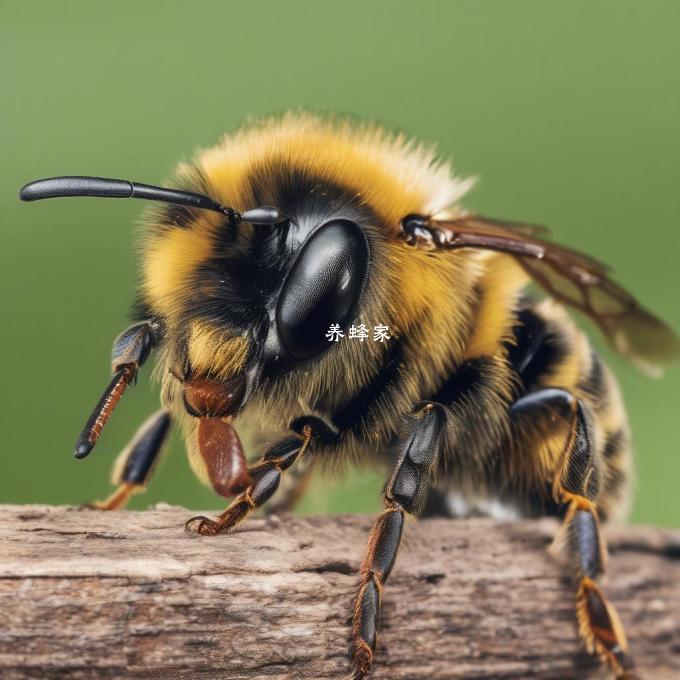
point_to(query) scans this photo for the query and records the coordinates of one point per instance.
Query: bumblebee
(482, 398)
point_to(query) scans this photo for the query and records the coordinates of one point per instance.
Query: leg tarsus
(362, 659)
(600, 627)
(117, 500)
(598, 621)
(130, 350)
(228, 519)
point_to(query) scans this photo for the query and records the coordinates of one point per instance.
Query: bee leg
(135, 464)
(405, 492)
(300, 476)
(289, 496)
(265, 475)
(577, 485)
(130, 350)
(598, 621)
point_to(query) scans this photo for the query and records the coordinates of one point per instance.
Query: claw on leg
(362, 660)
(229, 518)
(197, 523)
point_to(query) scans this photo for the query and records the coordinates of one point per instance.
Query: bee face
(261, 302)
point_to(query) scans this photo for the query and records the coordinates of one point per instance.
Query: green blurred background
(569, 112)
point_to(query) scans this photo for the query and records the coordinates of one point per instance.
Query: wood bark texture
(88, 594)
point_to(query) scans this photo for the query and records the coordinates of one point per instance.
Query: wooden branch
(86, 594)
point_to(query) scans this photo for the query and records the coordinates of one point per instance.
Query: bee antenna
(102, 187)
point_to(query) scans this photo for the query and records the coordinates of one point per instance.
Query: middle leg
(405, 492)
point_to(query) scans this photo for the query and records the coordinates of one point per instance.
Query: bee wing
(506, 225)
(573, 278)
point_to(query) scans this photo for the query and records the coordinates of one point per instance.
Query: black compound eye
(322, 288)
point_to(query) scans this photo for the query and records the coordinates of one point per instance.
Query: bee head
(264, 303)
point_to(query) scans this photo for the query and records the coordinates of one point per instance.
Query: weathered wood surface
(85, 594)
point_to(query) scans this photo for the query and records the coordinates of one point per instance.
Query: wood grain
(86, 594)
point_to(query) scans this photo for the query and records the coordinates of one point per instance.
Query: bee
(481, 396)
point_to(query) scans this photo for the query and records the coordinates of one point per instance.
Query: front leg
(265, 476)
(294, 486)
(130, 350)
(405, 492)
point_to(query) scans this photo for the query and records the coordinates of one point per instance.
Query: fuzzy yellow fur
(216, 353)
(501, 285)
(169, 261)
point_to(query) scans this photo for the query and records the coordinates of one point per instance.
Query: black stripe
(537, 349)
(309, 199)
(614, 443)
(463, 383)
(616, 480)
(352, 413)
(594, 383)
(528, 332)
(140, 309)
(541, 503)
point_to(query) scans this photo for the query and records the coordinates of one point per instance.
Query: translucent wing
(516, 227)
(573, 278)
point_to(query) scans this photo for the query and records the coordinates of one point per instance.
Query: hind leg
(136, 463)
(577, 485)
